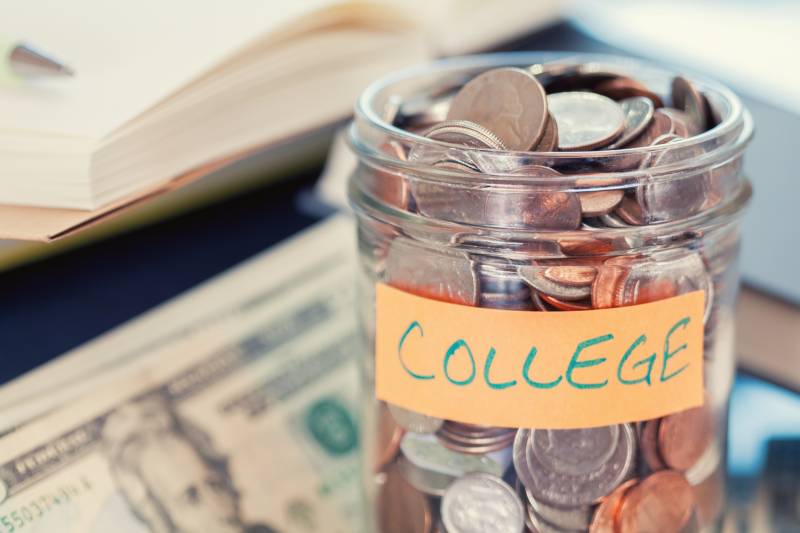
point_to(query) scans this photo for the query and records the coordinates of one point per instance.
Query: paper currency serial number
(17, 519)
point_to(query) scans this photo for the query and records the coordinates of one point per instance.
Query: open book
(162, 88)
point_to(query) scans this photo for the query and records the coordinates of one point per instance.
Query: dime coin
(606, 514)
(401, 508)
(684, 436)
(414, 421)
(508, 101)
(444, 274)
(663, 501)
(585, 120)
(479, 502)
(639, 113)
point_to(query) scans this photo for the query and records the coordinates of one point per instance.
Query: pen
(26, 61)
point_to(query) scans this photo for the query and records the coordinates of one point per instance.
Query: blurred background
(108, 265)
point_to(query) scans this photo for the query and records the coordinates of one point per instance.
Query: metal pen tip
(28, 61)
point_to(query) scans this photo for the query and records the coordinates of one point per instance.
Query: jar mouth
(369, 129)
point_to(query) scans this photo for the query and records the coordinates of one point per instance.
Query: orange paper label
(531, 369)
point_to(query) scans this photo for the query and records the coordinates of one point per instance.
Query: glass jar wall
(557, 231)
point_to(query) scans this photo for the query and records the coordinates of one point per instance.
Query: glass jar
(498, 240)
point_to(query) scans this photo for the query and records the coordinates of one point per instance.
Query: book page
(127, 56)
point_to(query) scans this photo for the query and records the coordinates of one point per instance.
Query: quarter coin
(479, 502)
(585, 120)
(508, 101)
(445, 274)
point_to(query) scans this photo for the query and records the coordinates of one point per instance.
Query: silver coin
(665, 198)
(638, 112)
(427, 481)
(568, 518)
(465, 133)
(613, 221)
(428, 453)
(585, 120)
(444, 274)
(478, 502)
(572, 468)
(534, 276)
(508, 101)
(539, 524)
(520, 457)
(413, 421)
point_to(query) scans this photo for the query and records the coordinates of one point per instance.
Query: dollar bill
(240, 420)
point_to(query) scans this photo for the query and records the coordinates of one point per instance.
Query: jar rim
(730, 135)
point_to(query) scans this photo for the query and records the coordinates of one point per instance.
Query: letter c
(414, 325)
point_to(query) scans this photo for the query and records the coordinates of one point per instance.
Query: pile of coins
(657, 475)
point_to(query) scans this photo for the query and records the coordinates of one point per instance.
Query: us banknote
(242, 419)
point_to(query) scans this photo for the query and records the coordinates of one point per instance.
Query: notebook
(162, 88)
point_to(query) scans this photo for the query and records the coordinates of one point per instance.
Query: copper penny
(687, 97)
(639, 113)
(624, 87)
(401, 508)
(535, 277)
(573, 275)
(555, 210)
(596, 203)
(549, 140)
(682, 124)
(642, 289)
(605, 284)
(508, 101)
(389, 436)
(661, 124)
(562, 305)
(661, 503)
(586, 245)
(630, 211)
(648, 444)
(685, 435)
(606, 514)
